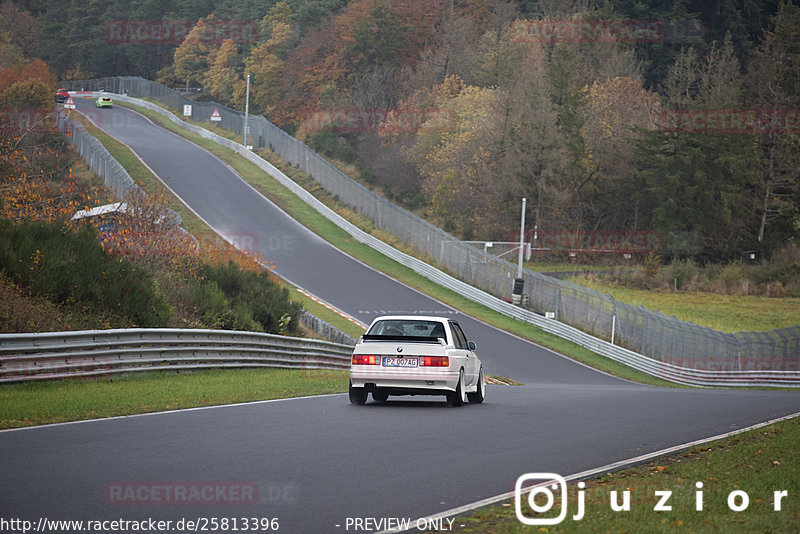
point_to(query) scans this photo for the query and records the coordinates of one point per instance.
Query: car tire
(457, 397)
(358, 396)
(380, 396)
(480, 392)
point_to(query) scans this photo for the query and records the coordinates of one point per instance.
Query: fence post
(613, 319)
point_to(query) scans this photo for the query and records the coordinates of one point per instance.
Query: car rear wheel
(380, 396)
(457, 397)
(357, 395)
(480, 392)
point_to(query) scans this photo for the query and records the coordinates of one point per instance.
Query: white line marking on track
(598, 470)
(194, 409)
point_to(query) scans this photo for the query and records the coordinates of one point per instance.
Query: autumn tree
(20, 26)
(36, 168)
(224, 77)
(498, 55)
(10, 53)
(616, 110)
(264, 64)
(452, 51)
(378, 40)
(455, 152)
(772, 79)
(196, 53)
(535, 157)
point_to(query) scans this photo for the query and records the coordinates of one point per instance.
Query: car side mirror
(471, 345)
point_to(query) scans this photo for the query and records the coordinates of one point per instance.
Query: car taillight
(435, 361)
(366, 359)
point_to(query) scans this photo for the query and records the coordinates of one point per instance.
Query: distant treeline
(675, 117)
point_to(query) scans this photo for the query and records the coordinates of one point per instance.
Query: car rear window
(407, 328)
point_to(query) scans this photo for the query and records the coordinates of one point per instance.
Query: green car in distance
(104, 102)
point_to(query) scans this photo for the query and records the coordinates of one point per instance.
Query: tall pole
(246, 111)
(521, 239)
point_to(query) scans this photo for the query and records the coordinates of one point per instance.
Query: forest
(678, 118)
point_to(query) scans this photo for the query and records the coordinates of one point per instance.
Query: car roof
(411, 318)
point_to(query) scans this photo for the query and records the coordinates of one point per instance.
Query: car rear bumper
(405, 382)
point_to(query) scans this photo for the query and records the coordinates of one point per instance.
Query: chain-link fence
(649, 333)
(99, 160)
(325, 329)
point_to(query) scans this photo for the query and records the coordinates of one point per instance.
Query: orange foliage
(148, 232)
(321, 61)
(36, 178)
(37, 184)
(37, 70)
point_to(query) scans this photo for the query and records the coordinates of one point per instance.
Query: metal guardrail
(708, 371)
(53, 355)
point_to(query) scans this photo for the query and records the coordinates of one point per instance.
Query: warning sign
(215, 116)
(69, 103)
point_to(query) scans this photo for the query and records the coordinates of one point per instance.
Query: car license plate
(389, 361)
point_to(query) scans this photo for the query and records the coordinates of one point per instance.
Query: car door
(469, 358)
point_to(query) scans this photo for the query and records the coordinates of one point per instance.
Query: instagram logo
(541, 498)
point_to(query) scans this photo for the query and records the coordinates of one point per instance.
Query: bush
(680, 274)
(777, 277)
(70, 267)
(233, 298)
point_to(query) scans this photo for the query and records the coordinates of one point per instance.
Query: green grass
(339, 238)
(562, 267)
(728, 313)
(758, 462)
(38, 403)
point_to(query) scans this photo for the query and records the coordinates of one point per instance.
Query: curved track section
(315, 462)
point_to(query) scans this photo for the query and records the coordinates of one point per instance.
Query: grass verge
(758, 463)
(728, 313)
(39, 403)
(339, 238)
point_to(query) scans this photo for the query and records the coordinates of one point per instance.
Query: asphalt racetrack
(314, 462)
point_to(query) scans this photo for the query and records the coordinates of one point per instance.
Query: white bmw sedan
(412, 355)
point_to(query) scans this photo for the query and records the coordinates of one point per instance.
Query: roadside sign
(215, 116)
(187, 110)
(69, 103)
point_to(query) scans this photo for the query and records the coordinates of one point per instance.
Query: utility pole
(521, 240)
(246, 111)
